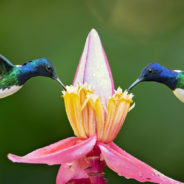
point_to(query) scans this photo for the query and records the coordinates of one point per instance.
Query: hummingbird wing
(5, 64)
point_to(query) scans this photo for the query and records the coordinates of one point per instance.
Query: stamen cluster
(89, 115)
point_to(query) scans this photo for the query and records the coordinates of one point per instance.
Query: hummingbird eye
(150, 70)
(49, 68)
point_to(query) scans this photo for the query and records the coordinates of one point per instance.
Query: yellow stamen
(100, 118)
(89, 116)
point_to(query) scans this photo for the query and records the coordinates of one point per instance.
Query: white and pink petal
(94, 68)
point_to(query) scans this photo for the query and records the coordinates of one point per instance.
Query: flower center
(88, 115)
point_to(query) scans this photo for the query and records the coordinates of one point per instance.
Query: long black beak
(135, 83)
(58, 80)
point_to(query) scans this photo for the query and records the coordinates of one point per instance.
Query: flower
(96, 113)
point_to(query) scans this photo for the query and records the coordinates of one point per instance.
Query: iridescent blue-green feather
(9, 78)
(180, 80)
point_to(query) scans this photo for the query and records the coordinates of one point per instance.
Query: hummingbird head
(40, 67)
(156, 72)
(151, 72)
(43, 67)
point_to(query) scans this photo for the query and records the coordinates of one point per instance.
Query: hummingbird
(13, 77)
(174, 79)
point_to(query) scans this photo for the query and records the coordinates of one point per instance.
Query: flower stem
(95, 171)
(79, 181)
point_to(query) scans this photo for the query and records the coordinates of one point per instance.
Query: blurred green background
(134, 33)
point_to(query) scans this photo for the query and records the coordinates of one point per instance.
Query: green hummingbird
(174, 79)
(13, 77)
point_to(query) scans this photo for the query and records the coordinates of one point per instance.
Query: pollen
(89, 115)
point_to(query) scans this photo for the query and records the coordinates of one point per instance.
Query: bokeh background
(134, 33)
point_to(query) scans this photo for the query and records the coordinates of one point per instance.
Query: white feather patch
(177, 71)
(9, 91)
(179, 94)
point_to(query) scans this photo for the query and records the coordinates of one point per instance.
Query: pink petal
(128, 166)
(61, 152)
(73, 170)
(93, 67)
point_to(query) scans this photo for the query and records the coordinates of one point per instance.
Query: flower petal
(93, 67)
(61, 152)
(128, 166)
(72, 171)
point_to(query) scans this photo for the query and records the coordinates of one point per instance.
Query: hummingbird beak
(58, 80)
(135, 83)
